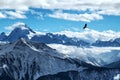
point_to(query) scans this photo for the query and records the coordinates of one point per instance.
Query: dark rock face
(24, 60)
(71, 75)
(99, 74)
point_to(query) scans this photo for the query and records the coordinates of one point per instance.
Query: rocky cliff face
(100, 74)
(24, 60)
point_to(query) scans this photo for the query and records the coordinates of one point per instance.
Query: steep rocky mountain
(23, 31)
(24, 60)
(88, 74)
(27, 57)
(20, 31)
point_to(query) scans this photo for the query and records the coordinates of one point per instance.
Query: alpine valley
(28, 55)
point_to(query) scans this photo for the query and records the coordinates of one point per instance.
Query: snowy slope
(24, 59)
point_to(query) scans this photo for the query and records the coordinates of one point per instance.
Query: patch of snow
(5, 66)
(117, 77)
(30, 35)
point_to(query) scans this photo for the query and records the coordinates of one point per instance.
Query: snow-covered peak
(23, 57)
(22, 26)
(20, 31)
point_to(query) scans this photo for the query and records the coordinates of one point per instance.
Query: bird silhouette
(85, 26)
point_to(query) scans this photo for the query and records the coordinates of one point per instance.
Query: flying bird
(85, 26)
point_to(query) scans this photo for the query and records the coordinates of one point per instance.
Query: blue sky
(60, 15)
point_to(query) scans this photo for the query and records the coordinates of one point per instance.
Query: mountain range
(25, 56)
(23, 31)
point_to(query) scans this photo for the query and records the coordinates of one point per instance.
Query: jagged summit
(23, 26)
(31, 44)
(24, 58)
(21, 42)
(20, 31)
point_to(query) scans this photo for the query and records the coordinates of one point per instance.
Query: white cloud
(76, 17)
(13, 14)
(96, 8)
(2, 15)
(115, 12)
(92, 35)
(18, 24)
(82, 53)
(39, 14)
(16, 14)
(74, 51)
(60, 4)
(14, 4)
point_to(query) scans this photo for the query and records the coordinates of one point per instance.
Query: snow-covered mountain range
(25, 60)
(23, 31)
(27, 55)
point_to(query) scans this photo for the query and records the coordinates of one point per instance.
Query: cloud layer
(91, 36)
(76, 17)
(92, 10)
(107, 54)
